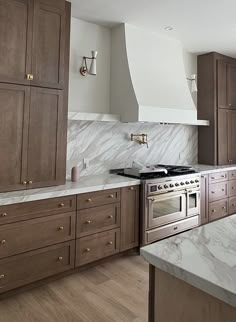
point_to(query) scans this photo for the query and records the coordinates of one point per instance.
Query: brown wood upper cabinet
(226, 84)
(129, 218)
(32, 42)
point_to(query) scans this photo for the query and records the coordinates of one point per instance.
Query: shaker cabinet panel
(15, 40)
(223, 157)
(222, 83)
(14, 110)
(232, 136)
(231, 85)
(46, 109)
(48, 46)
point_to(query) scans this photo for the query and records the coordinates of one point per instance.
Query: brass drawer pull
(111, 196)
(87, 250)
(222, 189)
(213, 178)
(24, 183)
(4, 214)
(3, 242)
(61, 228)
(175, 228)
(233, 188)
(30, 182)
(2, 276)
(213, 210)
(131, 188)
(110, 217)
(89, 200)
(233, 204)
(222, 176)
(224, 207)
(110, 243)
(62, 205)
(29, 77)
(213, 192)
(88, 222)
(60, 258)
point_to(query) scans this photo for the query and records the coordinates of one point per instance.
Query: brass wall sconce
(192, 79)
(84, 71)
(141, 139)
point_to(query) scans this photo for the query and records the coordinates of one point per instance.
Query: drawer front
(218, 209)
(232, 188)
(172, 229)
(95, 199)
(94, 220)
(218, 191)
(218, 177)
(232, 205)
(28, 210)
(33, 266)
(98, 246)
(232, 175)
(36, 233)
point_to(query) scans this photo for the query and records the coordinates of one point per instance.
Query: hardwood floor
(114, 291)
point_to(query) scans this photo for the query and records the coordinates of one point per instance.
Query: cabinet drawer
(232, 175)
(232, 205)
(232, 188)
(98, 246)
(23, 269)
(171, 229)
(218, 191)
(33, 209)
(218, 177)
(36, 233)
(94, 199)
(94, 220)
(218, 209)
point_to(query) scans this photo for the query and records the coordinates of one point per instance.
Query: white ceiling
(201, 25)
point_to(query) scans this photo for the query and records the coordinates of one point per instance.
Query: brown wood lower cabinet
(97, 246)
(218, 209)
(23, 269)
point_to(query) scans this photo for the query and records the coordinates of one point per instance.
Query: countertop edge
(189, 278)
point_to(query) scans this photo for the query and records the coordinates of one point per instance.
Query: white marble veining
(204, 257)
(108, 146)
(206, 169)
(79, 116)
(85, 184)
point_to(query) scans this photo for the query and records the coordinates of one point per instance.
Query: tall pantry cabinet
(34, 42)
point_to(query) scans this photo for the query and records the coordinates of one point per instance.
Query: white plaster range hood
(148, 79)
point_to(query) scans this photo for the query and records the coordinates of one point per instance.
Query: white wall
(89, 94)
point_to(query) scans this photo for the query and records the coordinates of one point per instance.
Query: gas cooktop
(156, 171)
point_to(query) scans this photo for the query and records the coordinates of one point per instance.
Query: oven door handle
(165, 196)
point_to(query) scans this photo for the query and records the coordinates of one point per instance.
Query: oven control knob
(160, 187)
(171, 185)
(177, 184)
(166, 186)
(196, 180)
(182, 183)
(187, 182)
(191, 181)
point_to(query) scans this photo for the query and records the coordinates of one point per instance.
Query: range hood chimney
(148, 79)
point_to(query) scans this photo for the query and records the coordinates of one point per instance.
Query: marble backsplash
(107, 145)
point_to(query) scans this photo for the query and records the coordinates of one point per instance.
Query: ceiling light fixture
(192, 79)
(84, 71)
(169, 28)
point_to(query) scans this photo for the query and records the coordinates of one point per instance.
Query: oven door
(166, 208)
(193, 202)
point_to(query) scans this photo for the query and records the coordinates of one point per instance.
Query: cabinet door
(204, 199)
(14, 110)
(231, 85)
(129, 218)
(45, 156)
(15, 40)
(223, 157)
(232, 136)
(48, 46)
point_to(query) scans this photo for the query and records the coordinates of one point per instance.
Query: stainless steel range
(170, 200)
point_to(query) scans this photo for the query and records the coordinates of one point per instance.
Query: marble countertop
(204, 257)
(85, 184)
(206, 169)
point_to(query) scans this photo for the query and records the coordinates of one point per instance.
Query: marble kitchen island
(193, 275)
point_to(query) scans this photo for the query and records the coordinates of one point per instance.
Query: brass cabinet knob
(110, 216)
(233, 204)
(3, 242)
(30, 182)
(29, 77)
(131, 188)
(230, 104)
(88, 250)
(110, 243)
(60, 258)
(213, 210)
(224, 207)
(24, 183)
(2, 276)
(89, 200)
(61, 228)
(4, 214)
(233, 188)
(88, 222)
(111, 196)
(62, 205)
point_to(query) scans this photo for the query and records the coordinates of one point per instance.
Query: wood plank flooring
(116, 291)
